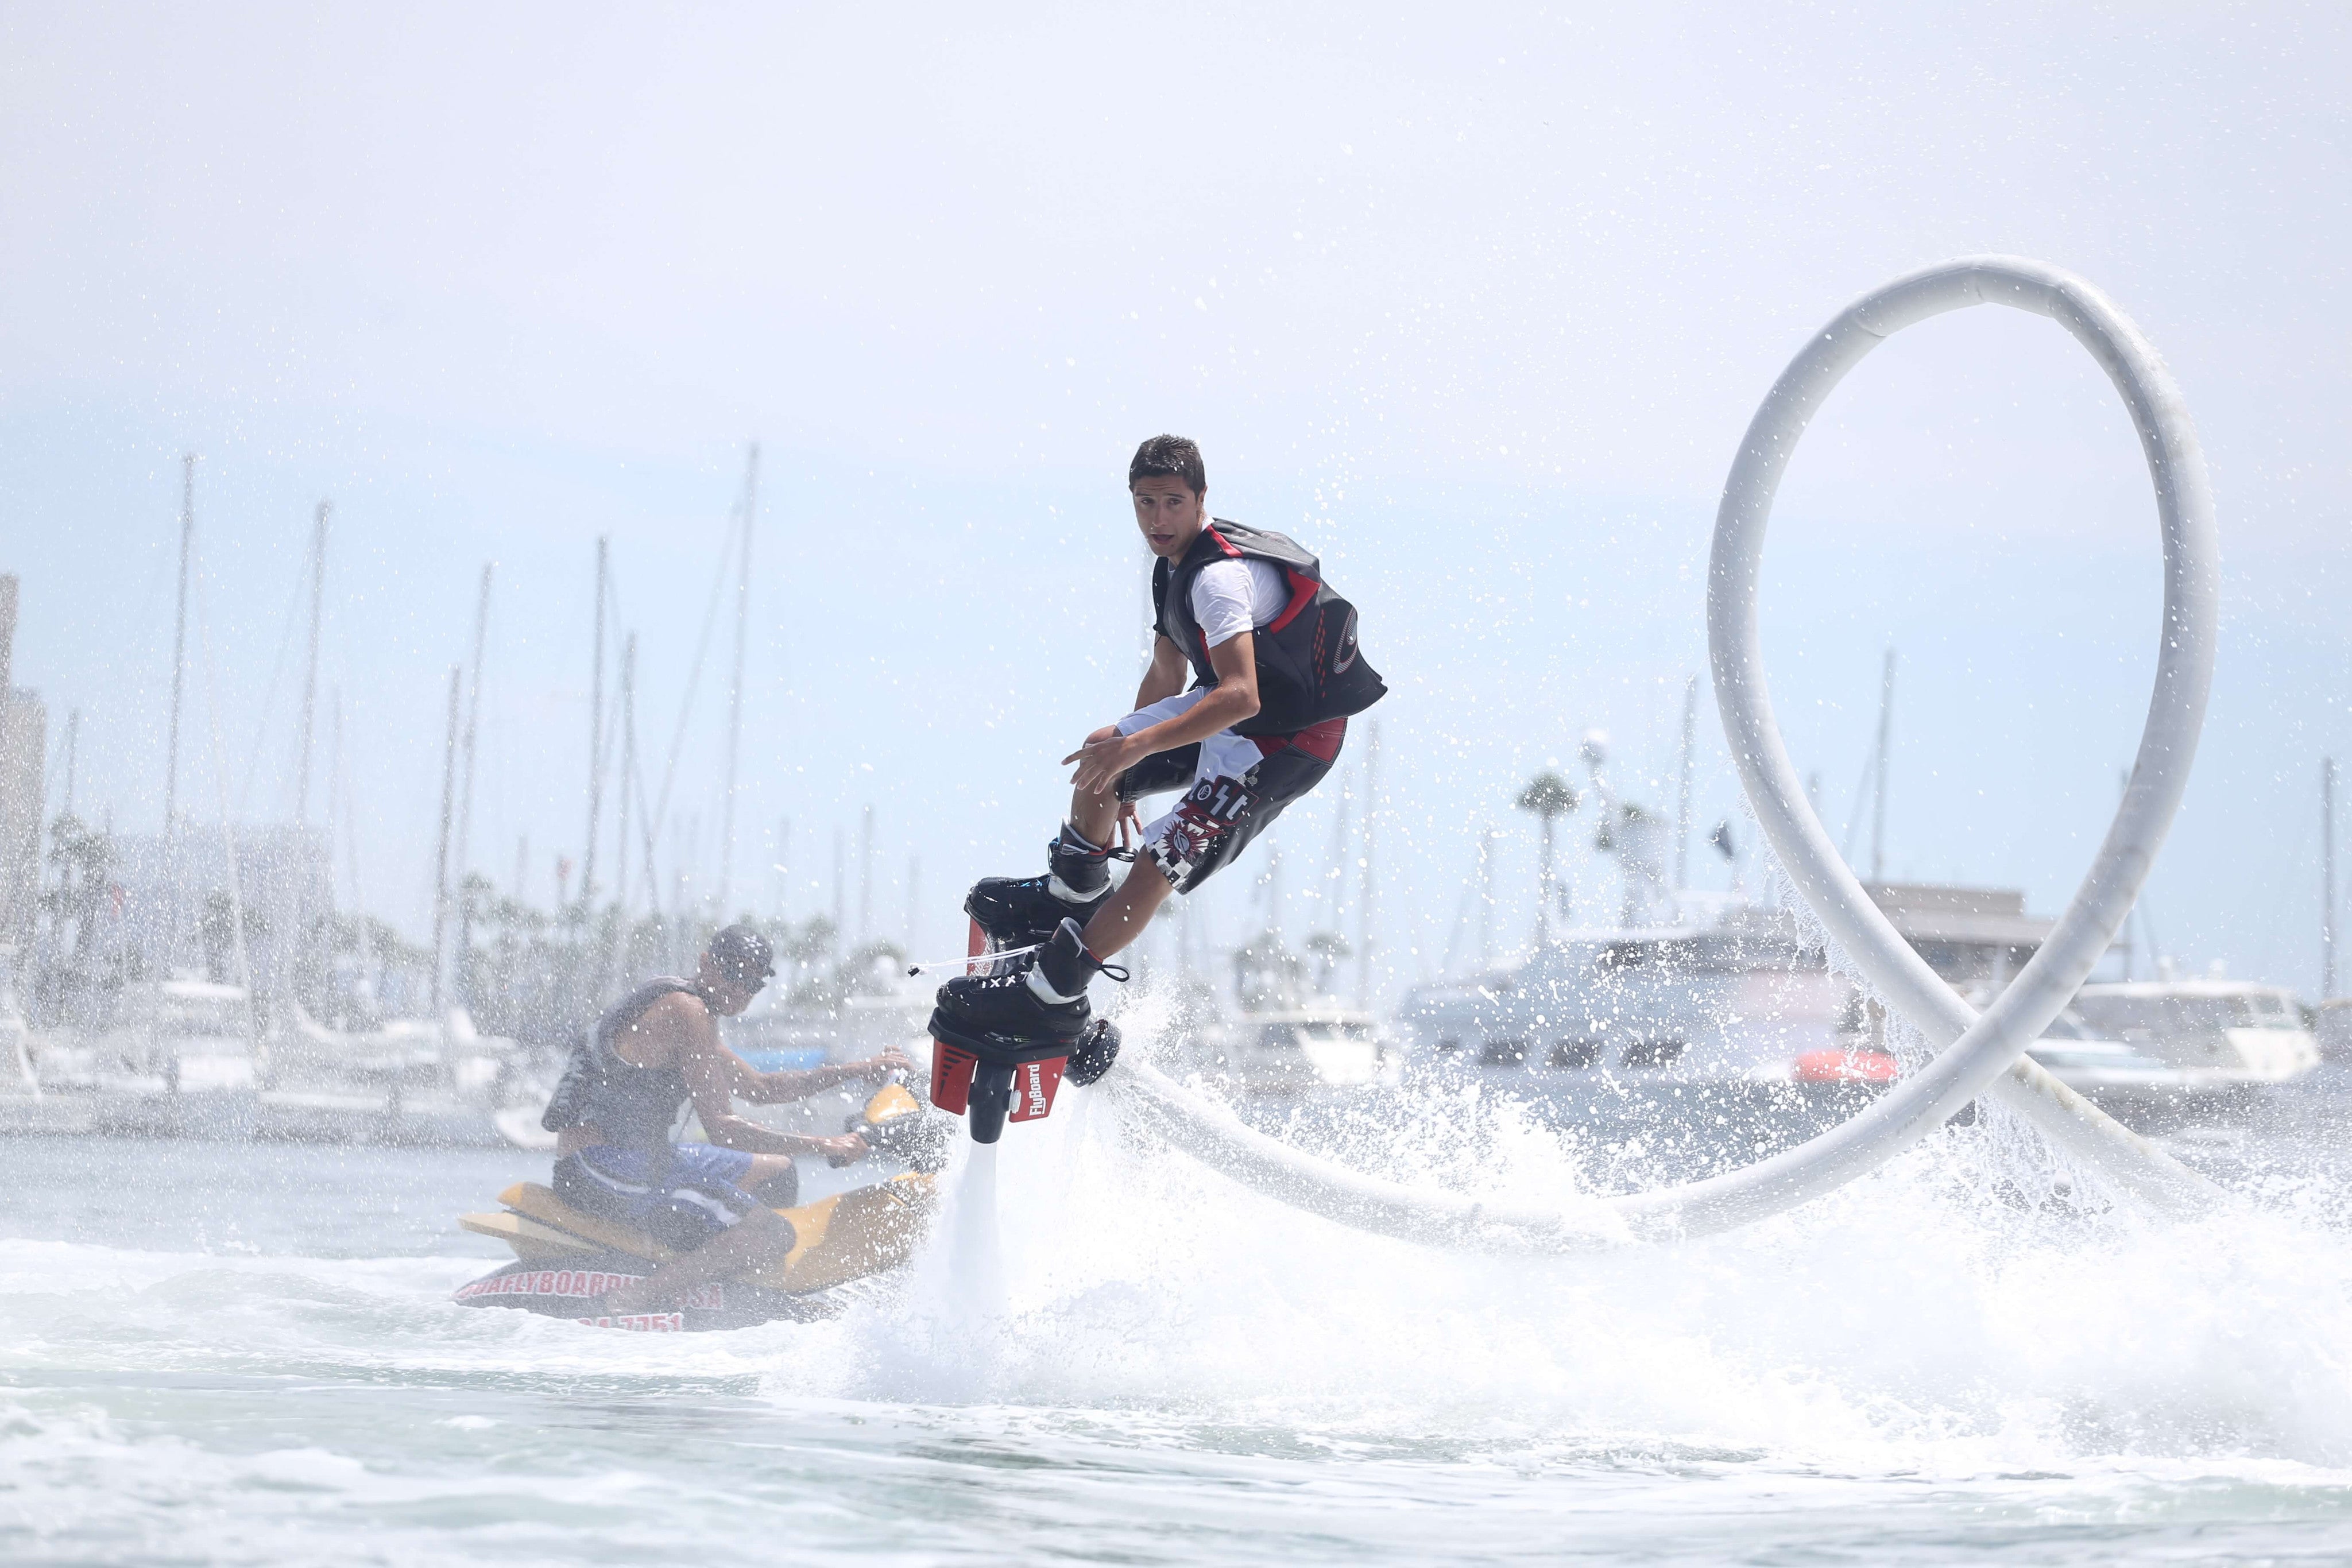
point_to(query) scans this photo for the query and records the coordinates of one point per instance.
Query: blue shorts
(696, 1197)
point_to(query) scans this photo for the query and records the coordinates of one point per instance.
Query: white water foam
(1947, 1315)
(1167, 1367)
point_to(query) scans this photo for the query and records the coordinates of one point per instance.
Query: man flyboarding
(1277, 674)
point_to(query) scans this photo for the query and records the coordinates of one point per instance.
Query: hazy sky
(1476, 301)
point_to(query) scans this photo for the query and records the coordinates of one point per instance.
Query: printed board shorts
(1238, 784)
(688, 1203)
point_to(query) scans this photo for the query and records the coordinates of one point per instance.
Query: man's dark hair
(1171, 456)
(743, 956)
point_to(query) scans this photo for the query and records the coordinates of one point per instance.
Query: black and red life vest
(1309, 668)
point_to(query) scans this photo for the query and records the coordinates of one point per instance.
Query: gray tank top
(631, 1105)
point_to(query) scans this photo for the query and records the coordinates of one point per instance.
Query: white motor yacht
(182, 1035)
(181, 1057)
(1317, 1043)
(2181, 1041)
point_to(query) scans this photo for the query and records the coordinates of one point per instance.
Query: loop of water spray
(1977, 1053)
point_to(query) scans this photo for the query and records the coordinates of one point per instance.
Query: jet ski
(566, 1259)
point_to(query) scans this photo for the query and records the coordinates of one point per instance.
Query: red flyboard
(951, 1069)
(1034, 1083)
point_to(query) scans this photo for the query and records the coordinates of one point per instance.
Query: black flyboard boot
(1004, 1039)
(1017, 911)
(1038, 1001)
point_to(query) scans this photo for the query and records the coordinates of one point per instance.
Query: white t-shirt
(1231, 597)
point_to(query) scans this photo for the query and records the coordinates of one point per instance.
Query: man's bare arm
(711, 1068)
(1164, 677)
(788, 1084)
(1232, 701)
(711, 1071)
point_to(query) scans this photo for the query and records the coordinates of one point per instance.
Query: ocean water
(217, 1353)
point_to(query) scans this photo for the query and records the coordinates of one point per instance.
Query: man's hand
(1104, 755)
(892, 1060)
(845, 1149)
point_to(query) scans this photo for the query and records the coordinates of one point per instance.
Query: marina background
(1476, 303)
(481, 348)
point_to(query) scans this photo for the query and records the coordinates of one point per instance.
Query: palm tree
(1547, 795)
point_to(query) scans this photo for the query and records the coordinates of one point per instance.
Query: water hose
(1976, 1054)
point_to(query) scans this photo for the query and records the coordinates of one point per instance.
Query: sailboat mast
(1364, 888)
(2130, 937)
(1487, 899)
(840, 887)
(914, 903)
(237, 945)
(646, 827)
(342, 790)
(596, 729)
(298, 897)
(311, 681)
(466, 797)
(1885, 749)
(2326, 877)
(629, 766)
(1273, 891)
(865, 879)
(783, 868)
(735, 692)
(1683, 809)
(1335, 880)
(441, 854)
(178, 649)
(73, 755)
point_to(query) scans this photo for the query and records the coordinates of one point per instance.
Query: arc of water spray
(1978, 1053)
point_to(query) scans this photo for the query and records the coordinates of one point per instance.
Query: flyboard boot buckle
(993, 1078)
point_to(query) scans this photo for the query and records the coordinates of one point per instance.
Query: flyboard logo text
(579, 1282)
(643, 1322)
(1034, 1083)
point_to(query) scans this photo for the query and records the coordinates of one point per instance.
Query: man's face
(1169, 513)
(723, 994)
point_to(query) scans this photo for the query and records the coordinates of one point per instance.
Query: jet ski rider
(616, 1109)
